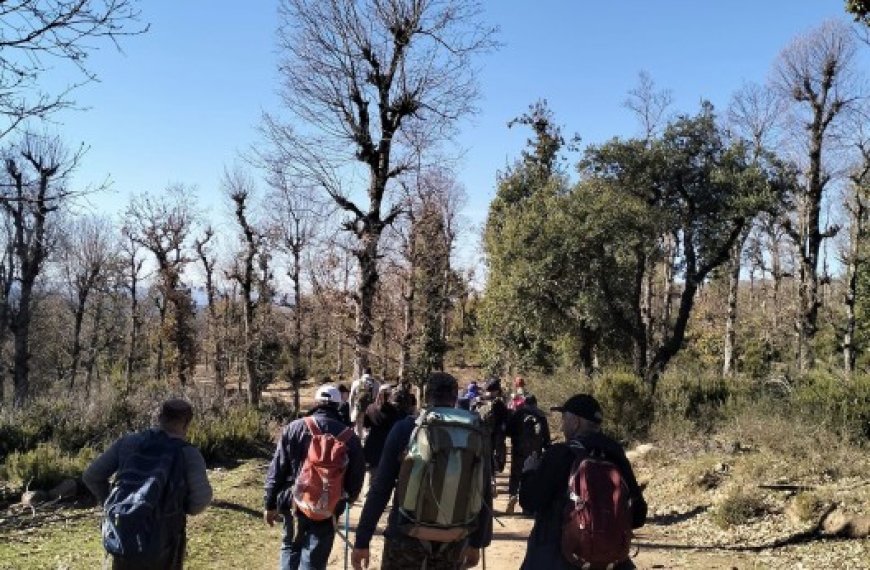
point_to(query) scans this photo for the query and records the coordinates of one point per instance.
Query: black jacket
(293, 447)
(379, 420)
(515, 429)
(544, 491)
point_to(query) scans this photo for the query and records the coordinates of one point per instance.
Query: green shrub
(627, 405)
(835, 403)
(44, 466)
(807, 506)
(738, 508)
(15, 437)
(235, 432)
(699, 399)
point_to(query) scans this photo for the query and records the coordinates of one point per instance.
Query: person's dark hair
(175, 412)
(441, 389)
(531, 401)
(343, 389)
(367, 370)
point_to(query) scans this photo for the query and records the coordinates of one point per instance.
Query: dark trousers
(499, 453)
(517, 460)
(174, 559)
(406, 553)
(309, 546)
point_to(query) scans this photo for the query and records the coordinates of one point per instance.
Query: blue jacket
(293, 447)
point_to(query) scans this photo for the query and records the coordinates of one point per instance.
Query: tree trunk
(856, 237)
(673, 344)
(407, 326)
(78, 317)
(298, 373)
(728, 365)
(776, 275)
(640, 326)
(365, 301)
(21, 333)
(668, 286)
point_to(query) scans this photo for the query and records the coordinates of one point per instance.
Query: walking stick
(346, 530)
(483, 557)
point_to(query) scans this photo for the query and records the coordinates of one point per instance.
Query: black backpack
(144, 516)
(531, 434)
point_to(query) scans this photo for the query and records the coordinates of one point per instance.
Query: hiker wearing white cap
(316, 444)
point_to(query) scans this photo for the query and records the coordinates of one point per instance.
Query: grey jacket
(96, 476)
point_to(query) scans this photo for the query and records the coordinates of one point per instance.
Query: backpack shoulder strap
(345, 435)
(311, 423)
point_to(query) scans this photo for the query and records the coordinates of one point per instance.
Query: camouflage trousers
(405, 553)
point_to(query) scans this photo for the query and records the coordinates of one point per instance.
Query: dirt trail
(510, 532)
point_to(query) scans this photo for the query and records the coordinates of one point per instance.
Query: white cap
(327, 394)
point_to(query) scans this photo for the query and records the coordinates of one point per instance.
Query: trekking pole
(483, 557)
(346, 530)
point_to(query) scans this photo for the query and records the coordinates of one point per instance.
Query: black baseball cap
(582, 405)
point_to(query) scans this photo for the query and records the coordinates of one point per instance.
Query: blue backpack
(144, 515)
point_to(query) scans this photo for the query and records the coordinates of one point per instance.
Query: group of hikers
(437, 462)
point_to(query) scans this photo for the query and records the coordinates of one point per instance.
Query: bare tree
(815, 75)
(215, 337)
(650, 105)
(296, 216)
(366, 79)
(752, 116)
(855, 257)
(162, 225)
(36, 34)
(133, 265)
(34, 189)
(239, 187)
(86, 259)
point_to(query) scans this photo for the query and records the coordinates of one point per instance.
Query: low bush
(235, 432)
(738, 508)
(699, 399)
(44, 466)
(627, 405)
(838, 404)
(807, 506)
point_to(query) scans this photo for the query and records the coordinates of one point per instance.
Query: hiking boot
(512, 504)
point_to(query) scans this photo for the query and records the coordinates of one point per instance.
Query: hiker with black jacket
(308, 544)
(545, 480)
(119, 459)
(406, 545)
(530, 433)
(379, 420)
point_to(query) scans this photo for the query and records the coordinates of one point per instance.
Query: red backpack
(319, 485)
(597, 528)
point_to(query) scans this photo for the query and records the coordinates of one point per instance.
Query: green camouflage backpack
(443, 474)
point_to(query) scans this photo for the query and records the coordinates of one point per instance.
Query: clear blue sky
(185, 97)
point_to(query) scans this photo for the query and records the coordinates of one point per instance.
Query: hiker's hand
(359, 559)
(470, 557)
(270, 516)
(532, 462)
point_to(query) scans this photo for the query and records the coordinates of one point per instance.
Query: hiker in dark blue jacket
(172, 425)
(401, 551)
(309, 546)
(544, 485)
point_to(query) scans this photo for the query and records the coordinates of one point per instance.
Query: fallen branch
(787, 487)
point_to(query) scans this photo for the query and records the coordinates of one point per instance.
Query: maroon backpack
(596, 532)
